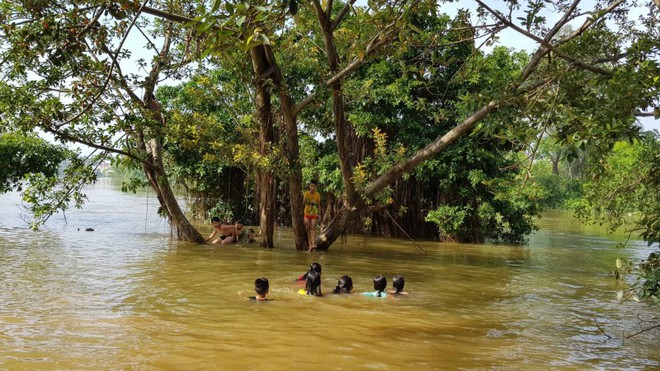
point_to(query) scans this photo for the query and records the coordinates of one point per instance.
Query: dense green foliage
(50, 176)
(27, 154)
(468, 187)
(625, 193)
(206, 131)
(625, 189)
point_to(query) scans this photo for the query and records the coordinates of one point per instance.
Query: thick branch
(166, 15)
(430, 150)
(341, 14)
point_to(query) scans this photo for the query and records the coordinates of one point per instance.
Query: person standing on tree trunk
(312, 200)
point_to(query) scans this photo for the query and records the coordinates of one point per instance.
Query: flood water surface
(127, 296)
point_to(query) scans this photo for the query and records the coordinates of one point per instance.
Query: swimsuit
(375, 294)
(312, 202)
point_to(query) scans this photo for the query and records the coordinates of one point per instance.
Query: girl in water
(312, 267)
(344, 285)
(380, 284)
(313, 283)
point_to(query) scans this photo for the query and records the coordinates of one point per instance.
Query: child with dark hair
(397, 283)
(312, 267)
(344, 285)
(380, 284)
(261, 287)
(313, 283)
(249, 237)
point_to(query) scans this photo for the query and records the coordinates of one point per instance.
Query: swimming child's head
(398, 282)
(380, 283)
(313, 283)
(261, 286)
(344, 285)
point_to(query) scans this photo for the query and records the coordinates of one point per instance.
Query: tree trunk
(555, 163)
(295, 172)
(292, 150)
(343, 133)
(336, 227)
(265, 179)
(168, 202)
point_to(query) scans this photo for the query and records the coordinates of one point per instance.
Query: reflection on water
(127, 296)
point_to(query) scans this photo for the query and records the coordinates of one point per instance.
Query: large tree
(101, 93)
(63, 73)
(620, 77)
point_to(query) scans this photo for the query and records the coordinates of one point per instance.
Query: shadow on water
(127, 296)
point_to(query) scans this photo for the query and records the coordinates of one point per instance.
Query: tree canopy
(416, 109)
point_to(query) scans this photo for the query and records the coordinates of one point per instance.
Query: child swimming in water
(397, 283)
(344, 285)
(312, 267)
(312, 280)
(261, 287)
(380, 284)
(313, 283)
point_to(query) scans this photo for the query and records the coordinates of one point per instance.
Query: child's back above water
(380, 284)
(397, 284)
(312, 281)
(312, 267)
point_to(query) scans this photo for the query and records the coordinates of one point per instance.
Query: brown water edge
(131, 298)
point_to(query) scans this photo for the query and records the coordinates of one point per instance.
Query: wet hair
(215, 219)
(398, 282)
(249, 236)
(344, 285)
(261, 286)
(380, 283)
(313, 283)
(313, 182)
(316, 267)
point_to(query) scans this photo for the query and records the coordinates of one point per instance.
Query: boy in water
(261, 288)
(228, 233)
(312, 200)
